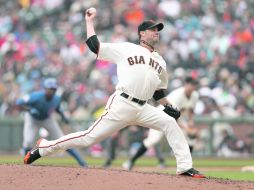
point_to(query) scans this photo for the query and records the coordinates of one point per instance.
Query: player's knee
(151, 143)
(169, 124)
(171, 120)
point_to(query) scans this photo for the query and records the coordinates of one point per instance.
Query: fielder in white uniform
(142, 74)
(183, 98)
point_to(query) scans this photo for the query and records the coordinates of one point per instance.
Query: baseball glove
(173, 112)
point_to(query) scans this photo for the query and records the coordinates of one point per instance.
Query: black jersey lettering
(130, 60)
(140, 60)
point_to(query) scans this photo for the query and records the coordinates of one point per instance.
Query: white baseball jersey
(140, 72)
(179, 100)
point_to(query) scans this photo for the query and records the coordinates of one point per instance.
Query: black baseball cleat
(193, 173)
(31, 156)
(34, 154)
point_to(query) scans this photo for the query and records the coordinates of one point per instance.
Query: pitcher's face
(150, 35)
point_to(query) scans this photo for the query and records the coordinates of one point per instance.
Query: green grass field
(212, 167)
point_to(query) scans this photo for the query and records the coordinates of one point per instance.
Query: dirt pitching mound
(13, 177)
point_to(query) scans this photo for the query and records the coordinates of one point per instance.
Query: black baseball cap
(191, 80)
(148, 24)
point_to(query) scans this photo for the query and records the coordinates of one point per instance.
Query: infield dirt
(28, 177)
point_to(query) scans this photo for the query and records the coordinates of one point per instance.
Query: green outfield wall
(11, 130)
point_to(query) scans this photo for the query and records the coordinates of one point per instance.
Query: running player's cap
(50, 83)
(148, 24)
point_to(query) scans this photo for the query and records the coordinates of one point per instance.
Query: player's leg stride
(34, 154)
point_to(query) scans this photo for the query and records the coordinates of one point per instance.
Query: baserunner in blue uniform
(39, 106)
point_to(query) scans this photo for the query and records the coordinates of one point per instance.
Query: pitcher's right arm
(92, 40)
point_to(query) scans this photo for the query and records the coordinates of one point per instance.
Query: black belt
(140, 102)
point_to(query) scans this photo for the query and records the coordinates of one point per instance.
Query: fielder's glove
(34, 112)
(173, 112)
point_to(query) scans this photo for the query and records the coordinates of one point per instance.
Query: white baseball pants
(121, 112)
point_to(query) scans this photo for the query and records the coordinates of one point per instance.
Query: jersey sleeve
(164, 80)
(110, 51)
(163, 76)
(23, 100)
(175, 99)
(58, 103)
(194, 99)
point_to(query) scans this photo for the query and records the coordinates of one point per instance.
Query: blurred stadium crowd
(211, 40)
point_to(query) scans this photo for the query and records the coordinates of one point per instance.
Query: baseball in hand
(91, 11)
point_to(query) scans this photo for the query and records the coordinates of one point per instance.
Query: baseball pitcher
(142, 74)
